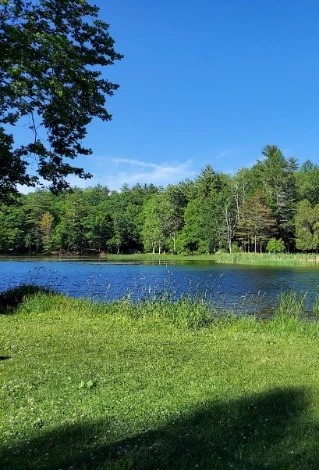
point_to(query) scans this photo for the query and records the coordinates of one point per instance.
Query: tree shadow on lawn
(11, 299)
(269, 430)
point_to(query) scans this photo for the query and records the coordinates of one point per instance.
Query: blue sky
(206, 81)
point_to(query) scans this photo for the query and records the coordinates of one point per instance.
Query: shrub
(275, 245)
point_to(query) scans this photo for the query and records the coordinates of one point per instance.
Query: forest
(271, 207)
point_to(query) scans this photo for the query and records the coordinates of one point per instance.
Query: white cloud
(115, 172)
(132, 161)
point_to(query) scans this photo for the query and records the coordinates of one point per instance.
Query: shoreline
(256, 259)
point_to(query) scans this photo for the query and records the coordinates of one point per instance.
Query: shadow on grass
(270, 430)
(11, 299)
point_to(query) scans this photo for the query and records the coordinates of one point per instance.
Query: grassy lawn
(155, 386)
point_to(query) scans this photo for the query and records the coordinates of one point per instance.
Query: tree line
(272, 206)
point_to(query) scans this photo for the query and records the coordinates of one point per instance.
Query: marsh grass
(291, 305)
(156, 385)
(271, 259)
(260, 259)
(315, 307)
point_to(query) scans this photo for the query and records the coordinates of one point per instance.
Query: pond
(243, 288)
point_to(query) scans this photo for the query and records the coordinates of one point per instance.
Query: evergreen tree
(256, 224)
(277, 178)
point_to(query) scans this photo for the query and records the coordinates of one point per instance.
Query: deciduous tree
(52, 53)
(307, 226)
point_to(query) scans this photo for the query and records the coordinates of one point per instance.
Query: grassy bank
(270, 259)
(155, 385)
(258, 259)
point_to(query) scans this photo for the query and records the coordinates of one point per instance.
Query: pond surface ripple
(242, 288)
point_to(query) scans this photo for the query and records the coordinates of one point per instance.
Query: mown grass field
(154, 385)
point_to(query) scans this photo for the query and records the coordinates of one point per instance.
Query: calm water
(240, 287)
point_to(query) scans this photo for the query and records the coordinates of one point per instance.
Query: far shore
(270, 259)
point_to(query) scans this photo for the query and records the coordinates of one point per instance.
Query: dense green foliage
(275, 245)
(140, 386)
(52, 53)
(254, 210)
(236, 257)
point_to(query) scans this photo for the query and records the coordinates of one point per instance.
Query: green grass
(155, 385)
(259, 259)
(270, 259)
(267, 259)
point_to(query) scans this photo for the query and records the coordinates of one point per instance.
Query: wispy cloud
(132, 161)
(148, 172)
(222, 155)
(114, 172)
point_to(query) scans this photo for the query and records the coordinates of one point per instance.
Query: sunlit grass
(267, 259)
(270, 259)
(155, 385)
